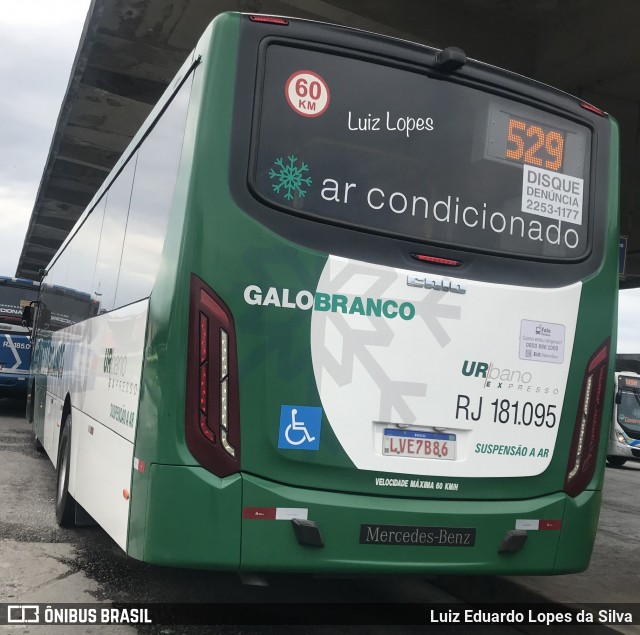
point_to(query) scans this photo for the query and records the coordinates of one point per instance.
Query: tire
(616, 461)
(65, 505)
(38, 447)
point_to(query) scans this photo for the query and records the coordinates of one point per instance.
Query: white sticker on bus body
(455, 367)
(542, 342)
(289, 513)
(527, 524)
(552, 195)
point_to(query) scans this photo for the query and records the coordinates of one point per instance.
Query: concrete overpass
(130, 49)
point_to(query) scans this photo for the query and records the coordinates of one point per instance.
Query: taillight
(586, 433)
(593, 108)
(270, 19)
(435, 260)
(212, 423)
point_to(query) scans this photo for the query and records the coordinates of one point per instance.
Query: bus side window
(50, 292)
(107, 266)
(151, 201)
(83, 261)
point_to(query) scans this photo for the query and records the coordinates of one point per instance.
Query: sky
(629, 322)
(38, 42)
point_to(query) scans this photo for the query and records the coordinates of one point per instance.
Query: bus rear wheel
(37, 446)
(616, 461)
(65, 504)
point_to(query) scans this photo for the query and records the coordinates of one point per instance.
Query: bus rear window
(13, 301)
(399, 153)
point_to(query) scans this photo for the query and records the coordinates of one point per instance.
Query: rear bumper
(243, 522)
(422, 536)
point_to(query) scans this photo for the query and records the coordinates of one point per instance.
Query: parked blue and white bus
(15, 340)
(624, 437)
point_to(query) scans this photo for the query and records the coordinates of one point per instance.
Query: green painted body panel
(193, 518)
(160, 435)
(271, 544)
(579, 532)
(598, 315)
(179, 512)
(204, 529)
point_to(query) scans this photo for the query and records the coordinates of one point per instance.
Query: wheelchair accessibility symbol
(299, 428)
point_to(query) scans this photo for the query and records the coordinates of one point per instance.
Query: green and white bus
(354, 308)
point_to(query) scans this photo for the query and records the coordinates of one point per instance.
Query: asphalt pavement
(613, 576)
(40, 562)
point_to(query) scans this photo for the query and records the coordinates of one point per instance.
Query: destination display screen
(530, 142)
(628, 382)
(526, 141)
(397, 152)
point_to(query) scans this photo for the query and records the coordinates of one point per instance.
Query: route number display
(535, 144)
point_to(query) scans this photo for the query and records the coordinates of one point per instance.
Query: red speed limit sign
(307, 93)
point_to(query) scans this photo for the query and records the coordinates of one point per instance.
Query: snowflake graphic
(290, 178)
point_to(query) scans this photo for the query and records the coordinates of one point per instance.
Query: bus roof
(18, 282)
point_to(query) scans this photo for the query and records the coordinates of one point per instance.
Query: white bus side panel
(110, 367)
(52, 419)
(98, 363)
(100, 474)
(101, 363)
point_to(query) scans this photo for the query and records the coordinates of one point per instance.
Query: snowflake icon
(290, 179)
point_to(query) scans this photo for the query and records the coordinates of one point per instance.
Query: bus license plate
(423, 445)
